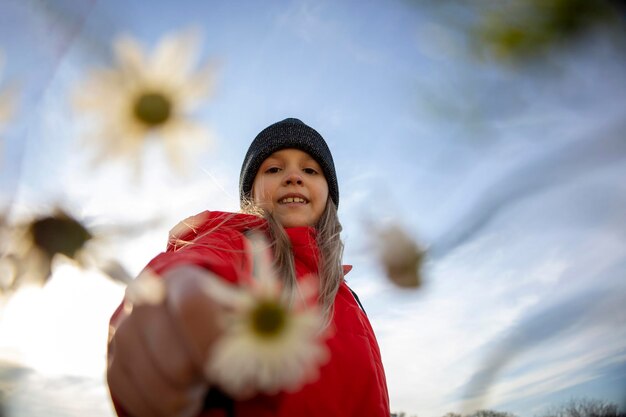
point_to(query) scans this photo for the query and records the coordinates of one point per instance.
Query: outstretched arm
(157, 352)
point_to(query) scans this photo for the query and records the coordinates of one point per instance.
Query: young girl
(157, 353)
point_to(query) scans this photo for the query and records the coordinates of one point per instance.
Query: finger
(123, 388)
(165, 399)
(195, 313)
(132, 401)
(164, 343)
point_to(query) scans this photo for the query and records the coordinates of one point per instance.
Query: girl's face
(291, 185)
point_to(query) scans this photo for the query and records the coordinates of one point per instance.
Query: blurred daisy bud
(400, 256)
(58, 234)
(36, 244)
(30, 248)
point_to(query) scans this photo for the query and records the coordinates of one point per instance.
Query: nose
(293, 178)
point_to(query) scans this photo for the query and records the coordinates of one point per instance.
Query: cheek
(323, 193)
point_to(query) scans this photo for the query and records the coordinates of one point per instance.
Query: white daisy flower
(144, 97)
(269, 344)
(401, 257)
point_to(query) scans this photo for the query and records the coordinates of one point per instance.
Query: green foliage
(519, 29)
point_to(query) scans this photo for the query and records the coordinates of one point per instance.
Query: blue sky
(512, 176)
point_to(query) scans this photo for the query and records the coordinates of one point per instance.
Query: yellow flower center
(59, 234)
(152, 109)
(268, 319)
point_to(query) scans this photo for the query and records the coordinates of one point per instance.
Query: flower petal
(130, 56)
(224, 293)
(174, 56)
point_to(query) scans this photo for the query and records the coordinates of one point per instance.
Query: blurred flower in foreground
(145, 97)
(31, 248)
(525, 28)
(270, 344)
(401, 257)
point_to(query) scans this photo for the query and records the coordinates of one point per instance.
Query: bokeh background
(494, 133)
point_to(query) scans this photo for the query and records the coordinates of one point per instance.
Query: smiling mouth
(292, 200)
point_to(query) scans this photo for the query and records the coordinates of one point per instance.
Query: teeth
(292, 200)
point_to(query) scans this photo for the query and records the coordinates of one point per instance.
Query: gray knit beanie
(289, 133)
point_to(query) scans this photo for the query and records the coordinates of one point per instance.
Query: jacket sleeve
(219, 251)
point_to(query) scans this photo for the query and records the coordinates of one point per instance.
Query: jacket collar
(304, 247)
(303, 239)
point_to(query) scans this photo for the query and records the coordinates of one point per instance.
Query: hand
(157, 353)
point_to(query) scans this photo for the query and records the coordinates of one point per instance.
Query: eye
(310, 171)
(272, 170)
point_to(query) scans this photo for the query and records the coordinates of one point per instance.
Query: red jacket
(352, 383)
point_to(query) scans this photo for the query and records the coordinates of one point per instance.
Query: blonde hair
(330, 269)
